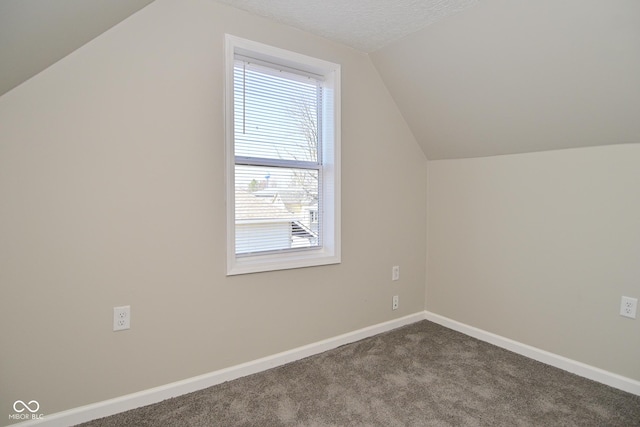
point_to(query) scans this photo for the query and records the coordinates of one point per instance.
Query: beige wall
(539, 248)
(112, 193)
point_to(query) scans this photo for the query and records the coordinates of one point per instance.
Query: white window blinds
(278, 166)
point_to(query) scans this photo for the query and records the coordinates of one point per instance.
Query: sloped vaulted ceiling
(500, 77)
(36, 33)
(520, 76)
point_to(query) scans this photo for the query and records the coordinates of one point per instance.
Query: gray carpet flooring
(418, 375)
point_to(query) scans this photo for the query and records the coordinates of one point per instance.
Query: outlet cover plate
(628, 307)
(121, 318)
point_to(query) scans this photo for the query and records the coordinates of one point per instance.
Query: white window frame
(329, 252)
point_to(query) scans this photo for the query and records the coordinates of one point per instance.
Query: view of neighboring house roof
(262, 207)
(250, 208)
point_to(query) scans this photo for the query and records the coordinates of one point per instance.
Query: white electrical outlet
(628, 307)
(395, 272)
(395, 302)
(121, 318)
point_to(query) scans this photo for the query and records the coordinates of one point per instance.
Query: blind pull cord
(244, 98)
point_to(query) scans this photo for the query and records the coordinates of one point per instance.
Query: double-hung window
(283, 159)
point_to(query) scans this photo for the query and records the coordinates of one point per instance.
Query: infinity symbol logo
(26, 406)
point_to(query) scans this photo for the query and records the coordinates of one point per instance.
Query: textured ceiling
(365, 25)
(36, 33)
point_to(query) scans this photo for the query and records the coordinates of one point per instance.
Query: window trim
(330, 252)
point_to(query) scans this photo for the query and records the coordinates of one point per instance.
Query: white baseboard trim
(157, 394)
(596, 374)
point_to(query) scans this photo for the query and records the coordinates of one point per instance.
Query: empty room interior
(477, 166)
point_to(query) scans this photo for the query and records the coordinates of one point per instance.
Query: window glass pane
(276, 208)
(275, 113)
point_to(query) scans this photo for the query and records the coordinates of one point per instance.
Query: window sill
(272, 262)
